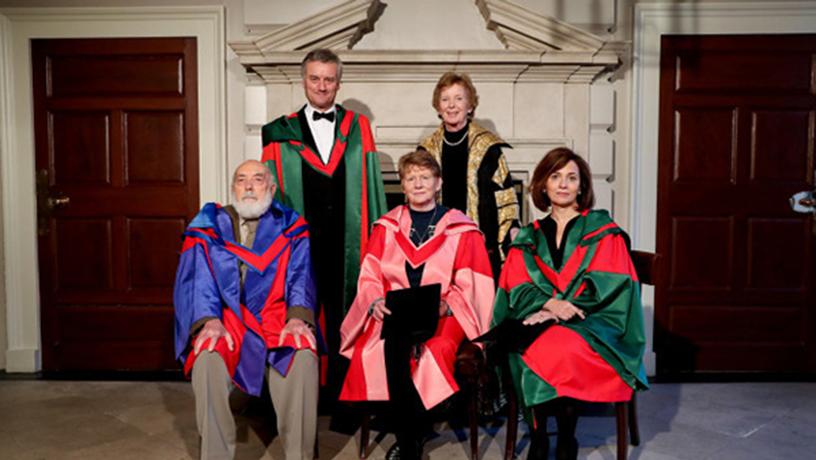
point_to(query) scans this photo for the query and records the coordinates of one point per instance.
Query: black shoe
(539, 447)
(393, 453)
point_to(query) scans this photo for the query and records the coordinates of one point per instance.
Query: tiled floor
(154, 420)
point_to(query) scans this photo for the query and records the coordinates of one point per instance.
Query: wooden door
(736, 141)
(116, 150)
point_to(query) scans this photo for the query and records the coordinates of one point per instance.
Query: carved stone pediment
(537, 48)
(521, 29)
(336, 28)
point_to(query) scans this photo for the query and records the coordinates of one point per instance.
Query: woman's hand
(538, 317)
(378, 310)
(563, 310)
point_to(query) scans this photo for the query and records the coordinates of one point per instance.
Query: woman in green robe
(569, 275)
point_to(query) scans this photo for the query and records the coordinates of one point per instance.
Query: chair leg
(620, 418)
(512, 427)
(473, 419)
(364, 432)
(634, 432)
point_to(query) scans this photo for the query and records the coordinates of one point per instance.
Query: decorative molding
(540, 48)
(520, 28)
(338, 27)
(391, 66)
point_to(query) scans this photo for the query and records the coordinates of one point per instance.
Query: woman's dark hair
(554, 160)
(421, 159)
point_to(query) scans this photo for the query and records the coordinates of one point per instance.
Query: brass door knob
(58, 202)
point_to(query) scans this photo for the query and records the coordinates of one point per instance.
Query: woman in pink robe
(414, 245)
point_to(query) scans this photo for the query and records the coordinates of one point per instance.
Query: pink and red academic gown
(278, 281)
(454, 257)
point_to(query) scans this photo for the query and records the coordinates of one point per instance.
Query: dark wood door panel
(153, 253)
(751, 65)
(79, 147)
(736, 141)
(748, 357)
(116, 131)
(114, 337)
(154, 147)
(712, 130)
(776, 256)
(774, 161)
(83, 250)
(134, 68)
(701, 238)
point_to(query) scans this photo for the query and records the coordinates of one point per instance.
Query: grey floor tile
(155, 420)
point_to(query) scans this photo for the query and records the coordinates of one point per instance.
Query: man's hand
(538, 317)
(297, 328)
(563, 309)
(378, 310)
(212, 331)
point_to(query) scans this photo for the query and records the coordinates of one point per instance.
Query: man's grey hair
(266, 172)
(322, 55)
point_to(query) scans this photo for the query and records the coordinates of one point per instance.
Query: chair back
(645, 266)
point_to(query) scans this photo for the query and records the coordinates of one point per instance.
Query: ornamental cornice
(519, 28)
(338, 27)
(538, 49)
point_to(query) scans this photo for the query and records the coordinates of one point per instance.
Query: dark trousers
(407, 414)
(566, 418)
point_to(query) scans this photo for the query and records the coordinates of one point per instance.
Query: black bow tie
(329, 116)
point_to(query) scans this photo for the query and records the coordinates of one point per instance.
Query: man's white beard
(252, 209)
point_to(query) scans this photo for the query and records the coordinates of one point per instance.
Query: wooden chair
(625, 412)
(470, 369)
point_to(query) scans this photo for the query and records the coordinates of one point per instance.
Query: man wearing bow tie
(325, 164)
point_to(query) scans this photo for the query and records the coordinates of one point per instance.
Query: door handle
(803, 202)
(46, 202)
(58, 202)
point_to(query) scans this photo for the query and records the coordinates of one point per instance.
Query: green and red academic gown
(455, 257)
(340, 200)
(286, 155)
(599, 358)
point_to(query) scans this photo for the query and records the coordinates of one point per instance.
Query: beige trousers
(294, 398)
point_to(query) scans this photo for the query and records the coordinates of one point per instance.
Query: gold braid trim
(501, 172)
(479, 141)
(508, 209)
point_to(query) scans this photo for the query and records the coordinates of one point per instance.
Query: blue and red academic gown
(208, 285)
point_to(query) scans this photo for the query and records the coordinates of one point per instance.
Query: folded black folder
(513, 336)
(414, 313)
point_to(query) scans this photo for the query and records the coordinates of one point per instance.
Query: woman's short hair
(421, 159)
(554, 160)
(449, 79)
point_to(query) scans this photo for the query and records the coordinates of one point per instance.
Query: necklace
(428, 228)
(454, 144)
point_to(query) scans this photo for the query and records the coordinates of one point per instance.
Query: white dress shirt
(322, 132)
